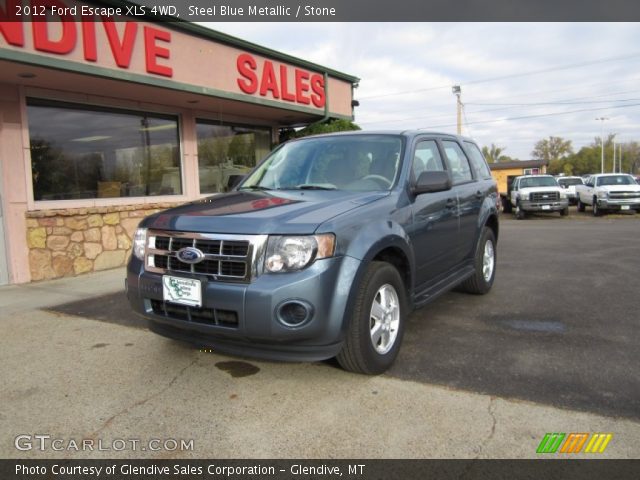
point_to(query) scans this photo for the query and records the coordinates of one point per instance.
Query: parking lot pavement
(549, 350)
(560, 326)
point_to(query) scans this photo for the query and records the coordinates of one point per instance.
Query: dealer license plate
(624, 207)
(186, 291)
(546, 207)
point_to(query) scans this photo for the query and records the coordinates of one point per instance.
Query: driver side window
(426, 158)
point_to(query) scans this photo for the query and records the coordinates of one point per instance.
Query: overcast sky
(589, 70)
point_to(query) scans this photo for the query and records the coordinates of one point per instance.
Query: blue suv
(323, 249)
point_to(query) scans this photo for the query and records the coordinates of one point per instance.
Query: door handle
(451, 203)
(479, 194)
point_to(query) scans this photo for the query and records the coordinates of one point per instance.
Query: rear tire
(485, 265)
(506, 205)
(377, 324)
(580, 206)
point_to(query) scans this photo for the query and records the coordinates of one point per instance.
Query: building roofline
(207, 33)
(518, 164)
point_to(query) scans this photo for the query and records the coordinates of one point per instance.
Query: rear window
(477, 160)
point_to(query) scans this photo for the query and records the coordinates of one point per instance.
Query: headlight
(563, 195)
(286, 254)
(524, 196)
(139, 243)
(603, 194)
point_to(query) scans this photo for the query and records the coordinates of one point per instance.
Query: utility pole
(457, 92)
(602, 120)
(614, 157)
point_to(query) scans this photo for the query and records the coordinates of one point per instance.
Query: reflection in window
(91, 152)
(226, 151)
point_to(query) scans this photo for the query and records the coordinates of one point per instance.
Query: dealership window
(81, 152)
(226, 151)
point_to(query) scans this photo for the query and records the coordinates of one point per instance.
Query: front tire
(377, 324)
(520, 215)
(596, 210)
(485, 265)
(564, 212)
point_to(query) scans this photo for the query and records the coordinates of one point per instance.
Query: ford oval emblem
(190, 255)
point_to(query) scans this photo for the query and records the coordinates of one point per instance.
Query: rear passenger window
(427, 158)
(458, 163)
(477, 160)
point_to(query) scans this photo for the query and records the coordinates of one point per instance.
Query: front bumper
(619, 204)
(555, 206)
(257, 332)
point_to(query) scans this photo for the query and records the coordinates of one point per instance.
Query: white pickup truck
(538, 193)
(606, 192)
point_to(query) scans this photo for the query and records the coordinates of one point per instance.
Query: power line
(537, 115)
(510, 76)
(505, 106)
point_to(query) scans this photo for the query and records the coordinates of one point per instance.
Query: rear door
(434, 227)
(470, 194)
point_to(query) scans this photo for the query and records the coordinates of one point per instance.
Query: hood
(550, 188)
(621, 188)
(271, 212)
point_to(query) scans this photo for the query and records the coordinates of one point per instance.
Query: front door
(434, 228)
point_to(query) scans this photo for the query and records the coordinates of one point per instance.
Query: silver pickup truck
(606, 192)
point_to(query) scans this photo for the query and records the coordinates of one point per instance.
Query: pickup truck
(569, 184)
(538, 193)
(607, 192)
(322, 250)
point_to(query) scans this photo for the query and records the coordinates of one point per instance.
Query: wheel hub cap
(488, 260)
(384, 319)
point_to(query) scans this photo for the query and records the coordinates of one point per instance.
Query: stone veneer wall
(68, 242)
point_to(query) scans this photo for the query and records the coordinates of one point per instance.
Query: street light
(457, 91)
(602, 119)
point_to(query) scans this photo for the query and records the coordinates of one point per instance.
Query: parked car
(569, 185)
(538, 193)
(323, 250)
(607, 192)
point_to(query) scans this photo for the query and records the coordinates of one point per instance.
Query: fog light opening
(294, 313)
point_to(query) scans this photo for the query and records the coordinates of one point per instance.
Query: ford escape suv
(322, 250)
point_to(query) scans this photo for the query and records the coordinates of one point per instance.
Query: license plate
(186, 291)
(546, 207)
(624, 207)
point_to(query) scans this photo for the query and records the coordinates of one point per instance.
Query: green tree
(330, 126)
(552, 149)
(494, 154)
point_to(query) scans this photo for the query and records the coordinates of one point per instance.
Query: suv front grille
(545, 197)
(226, 257)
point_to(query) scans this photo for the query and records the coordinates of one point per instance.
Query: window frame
(54, 101)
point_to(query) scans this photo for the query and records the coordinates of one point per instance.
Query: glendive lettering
(307, 88)
(67, 36)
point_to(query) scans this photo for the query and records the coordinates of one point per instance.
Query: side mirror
(234, 180)
(429, 182)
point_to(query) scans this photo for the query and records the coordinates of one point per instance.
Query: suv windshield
(349, 162)
(538, 182)
(616, 180)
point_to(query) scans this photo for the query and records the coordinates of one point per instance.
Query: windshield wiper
(314, 187)
(255, 187)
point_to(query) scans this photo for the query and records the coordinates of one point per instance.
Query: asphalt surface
(560, 326)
